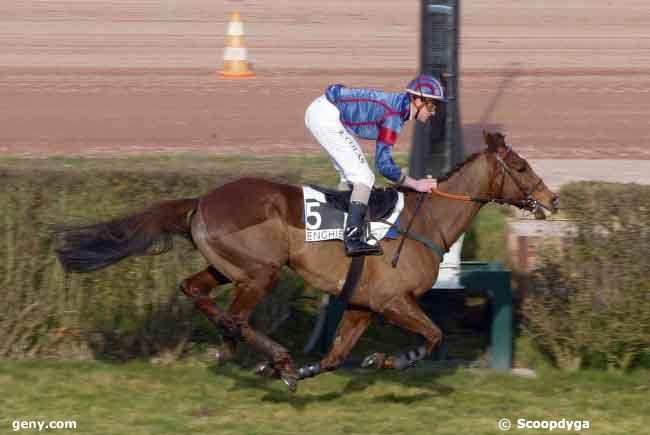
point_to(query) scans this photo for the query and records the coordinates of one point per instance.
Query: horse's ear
(494, 141)
(490, 141)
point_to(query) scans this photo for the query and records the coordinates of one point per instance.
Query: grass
(137, 398)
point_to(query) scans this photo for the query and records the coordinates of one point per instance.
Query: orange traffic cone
(235, 63)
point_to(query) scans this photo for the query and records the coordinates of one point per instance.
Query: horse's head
(521, 185)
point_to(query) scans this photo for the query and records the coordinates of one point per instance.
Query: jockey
(342, 113)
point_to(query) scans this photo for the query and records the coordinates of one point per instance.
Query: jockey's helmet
(426, 86)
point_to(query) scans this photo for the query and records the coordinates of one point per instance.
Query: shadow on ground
(357, 381)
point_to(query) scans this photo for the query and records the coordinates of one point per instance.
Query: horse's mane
(456, 168)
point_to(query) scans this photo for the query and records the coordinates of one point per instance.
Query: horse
(251, 228)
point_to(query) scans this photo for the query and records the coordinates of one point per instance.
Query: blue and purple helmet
(425, 86)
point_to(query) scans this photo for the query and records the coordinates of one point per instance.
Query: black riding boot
(354, 238)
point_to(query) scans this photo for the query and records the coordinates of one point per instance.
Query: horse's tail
(148, 231)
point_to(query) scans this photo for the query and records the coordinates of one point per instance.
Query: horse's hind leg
(249, 292)
(353, 324)
(248, 295)
(251, 256)
(240, 329)
(241, 308)
(403, 311)
(235, 320)
(200, 285)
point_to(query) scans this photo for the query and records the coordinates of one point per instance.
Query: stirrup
(357, 248)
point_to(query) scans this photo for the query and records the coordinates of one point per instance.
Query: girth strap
(340, 304)
(351, 279)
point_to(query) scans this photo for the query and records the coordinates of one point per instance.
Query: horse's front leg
(403, 311)
(353, 324)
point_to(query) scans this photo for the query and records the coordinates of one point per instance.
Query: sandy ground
(102, 77)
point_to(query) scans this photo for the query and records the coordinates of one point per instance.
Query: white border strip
(235, 53)
(235, 28)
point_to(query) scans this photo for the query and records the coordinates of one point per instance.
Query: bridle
(528, 203)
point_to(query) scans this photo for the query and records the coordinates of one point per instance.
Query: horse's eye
(521, 167)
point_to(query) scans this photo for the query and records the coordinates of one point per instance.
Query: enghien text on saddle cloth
(325, 222)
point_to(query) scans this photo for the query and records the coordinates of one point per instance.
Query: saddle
(381, 204)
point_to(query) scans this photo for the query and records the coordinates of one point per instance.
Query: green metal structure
(495, 281)
(491, 278)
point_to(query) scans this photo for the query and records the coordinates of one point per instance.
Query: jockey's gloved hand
(425, 185)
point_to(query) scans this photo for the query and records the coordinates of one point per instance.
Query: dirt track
(96, 77)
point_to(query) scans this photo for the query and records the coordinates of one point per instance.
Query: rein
(528, 203)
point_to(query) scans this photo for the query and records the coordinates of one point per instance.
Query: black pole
(438, 145)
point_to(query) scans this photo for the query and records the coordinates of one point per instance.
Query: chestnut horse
(250, 228)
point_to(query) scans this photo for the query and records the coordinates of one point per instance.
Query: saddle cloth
(325, 213)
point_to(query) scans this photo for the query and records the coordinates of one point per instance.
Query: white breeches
(323, 120)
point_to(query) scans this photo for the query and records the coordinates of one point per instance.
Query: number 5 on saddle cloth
(325, 213)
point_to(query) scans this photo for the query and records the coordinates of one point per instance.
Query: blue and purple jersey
(375, 115)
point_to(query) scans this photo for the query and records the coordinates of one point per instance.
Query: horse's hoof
(221, 357)
(261, 367)
(376, 360)
(265, 368)
(290, 380)
(309, 370)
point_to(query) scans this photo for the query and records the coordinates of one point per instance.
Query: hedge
(131, 309)
(134, 308)
(590, 304)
